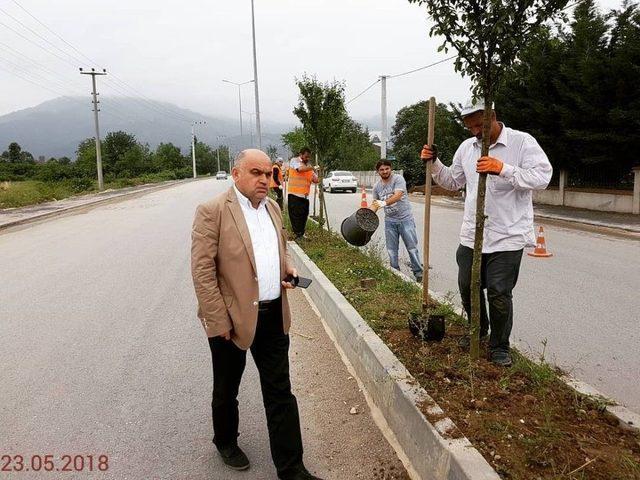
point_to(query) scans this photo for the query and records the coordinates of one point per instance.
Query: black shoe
(303, 475)
(465, 342)
(234, 458)
(501, 358)
(418, 278)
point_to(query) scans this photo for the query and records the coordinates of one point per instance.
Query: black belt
(268, 303)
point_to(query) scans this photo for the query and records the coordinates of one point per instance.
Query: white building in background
(375, 138)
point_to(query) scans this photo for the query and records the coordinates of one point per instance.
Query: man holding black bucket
(390, 193)
(301, 176)
(516, 166)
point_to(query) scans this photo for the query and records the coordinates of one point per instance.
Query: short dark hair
(382, 163)
(305, 150)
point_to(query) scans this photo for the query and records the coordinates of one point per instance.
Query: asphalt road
(102, 354)
(584, 302)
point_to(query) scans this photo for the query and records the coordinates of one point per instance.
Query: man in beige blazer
(239, 263)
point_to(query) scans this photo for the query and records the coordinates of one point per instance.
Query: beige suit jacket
(224, 269)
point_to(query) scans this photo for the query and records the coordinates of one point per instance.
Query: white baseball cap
(473, 106)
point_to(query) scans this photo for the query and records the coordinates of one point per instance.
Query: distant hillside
(56, 127)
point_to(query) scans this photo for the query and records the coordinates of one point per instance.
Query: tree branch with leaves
(323, 116)
(488, 36)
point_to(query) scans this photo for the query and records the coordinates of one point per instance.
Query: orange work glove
(429, 153)
(489, 165)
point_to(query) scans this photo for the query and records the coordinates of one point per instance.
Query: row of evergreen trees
(577, 90)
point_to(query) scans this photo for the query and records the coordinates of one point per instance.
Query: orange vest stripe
(299, 182)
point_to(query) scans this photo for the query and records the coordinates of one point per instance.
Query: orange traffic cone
(363, 202)
(541, 246)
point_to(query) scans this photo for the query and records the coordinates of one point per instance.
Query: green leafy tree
(225, 157)
(14, 152)
(272, 151)
(575, 89)
(169, 157)
(295, 140)
(131, 163)
(206, 162)
(488, 36)
(115, 147)
(86, 159)
(352, 150)
(321, 111)
(53, 170)
(409, 134)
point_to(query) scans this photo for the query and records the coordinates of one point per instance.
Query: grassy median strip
(524, 420)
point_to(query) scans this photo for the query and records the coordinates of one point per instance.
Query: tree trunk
(431, 127)
(326, 213)
(315, 192)
(321, 198)
(479, 234)
(320, 191)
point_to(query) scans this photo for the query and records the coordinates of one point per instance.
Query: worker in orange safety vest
(300, 177)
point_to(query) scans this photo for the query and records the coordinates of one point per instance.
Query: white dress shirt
(295, 163)
(509, 204)
(266, 249)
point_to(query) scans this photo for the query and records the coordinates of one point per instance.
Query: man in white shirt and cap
(516, 165)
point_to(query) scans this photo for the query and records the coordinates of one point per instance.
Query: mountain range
(56, 127)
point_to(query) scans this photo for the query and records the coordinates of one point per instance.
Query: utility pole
(239, 101)
(255, 78)
(251, 114)
(218, 150)
(93, 74)
(193, 145)
(383, 113)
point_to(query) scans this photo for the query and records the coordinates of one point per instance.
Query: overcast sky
(180, 51)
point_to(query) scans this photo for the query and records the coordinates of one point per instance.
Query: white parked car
(221, 175)
(340, 180)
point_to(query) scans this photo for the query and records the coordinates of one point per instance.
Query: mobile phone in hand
(298, 281)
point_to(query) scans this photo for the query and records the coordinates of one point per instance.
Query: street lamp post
(255, 77)
(239, 100)
(251, 115)
(193, 144)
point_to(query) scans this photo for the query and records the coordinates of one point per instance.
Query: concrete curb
(433, 454)
(97, 201)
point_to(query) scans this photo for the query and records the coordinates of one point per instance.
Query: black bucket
(431, 328)
(359, 227)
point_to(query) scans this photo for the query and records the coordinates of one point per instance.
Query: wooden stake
(427, 206)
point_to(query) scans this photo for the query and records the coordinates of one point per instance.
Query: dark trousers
(298, 213)
(278, 194)
(499, 274)
(270, 351)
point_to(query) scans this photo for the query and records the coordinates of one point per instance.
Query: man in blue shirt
(390, 193)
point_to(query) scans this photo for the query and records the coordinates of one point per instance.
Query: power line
(154, 104)
(55, 34)
(20, 55)
(402, 74)
(39, 36)
(363, 92)
(56, 92)
(123, 87)
(37, 44)
(422, 68)
(26, 71)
